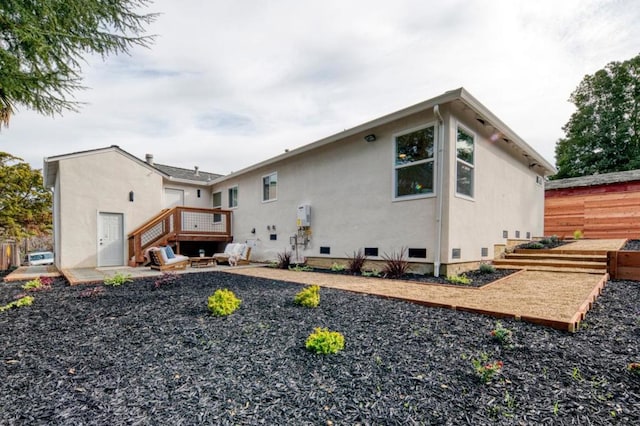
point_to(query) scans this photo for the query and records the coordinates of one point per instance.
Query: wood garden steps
(586, 261)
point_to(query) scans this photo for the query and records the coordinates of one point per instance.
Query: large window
(414, 163)
(217, 204)
(270, 187)
(233, 196)
(464, 163)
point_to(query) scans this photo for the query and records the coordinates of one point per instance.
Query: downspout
(439, 134)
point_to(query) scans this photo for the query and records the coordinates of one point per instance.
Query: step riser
(572, 265)
(602, 259)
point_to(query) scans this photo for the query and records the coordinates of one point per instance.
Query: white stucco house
(445, 179)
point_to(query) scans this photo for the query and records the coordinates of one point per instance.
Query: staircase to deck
(585, 261)
(172, 226)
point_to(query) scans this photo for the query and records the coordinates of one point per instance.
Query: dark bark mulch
(140, 355)
(632, 245)
(478, 278)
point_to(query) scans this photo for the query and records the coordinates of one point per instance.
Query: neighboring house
(445, 179)
(600, 206)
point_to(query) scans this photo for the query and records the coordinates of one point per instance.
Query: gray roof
(593, 180)
(187, 174)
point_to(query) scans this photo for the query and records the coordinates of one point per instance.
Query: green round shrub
(322, 341)
(223, 302)
(309, 297)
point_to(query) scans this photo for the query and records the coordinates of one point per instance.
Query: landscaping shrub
(284, 259)
(322, 341)
(300, 268)
(502, 335)
(371, 273)
(484, 369)
(223, 302)
(308, 297)
(118, 279)
(577, 234)
(336, 267)
(487, 268)
(533, 245)
(356, 262)
(396, 264)
(23, 301)
(459, 279)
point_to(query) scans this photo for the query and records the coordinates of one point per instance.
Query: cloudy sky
(230, 83)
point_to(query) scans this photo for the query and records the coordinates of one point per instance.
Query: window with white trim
(217, 204)
(270, 187)
(233, 196)
(414, 163)
(465, 147)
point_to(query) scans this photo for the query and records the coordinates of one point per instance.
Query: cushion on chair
(229, 248)
(170, 253)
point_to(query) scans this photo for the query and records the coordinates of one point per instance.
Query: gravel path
(143, 355)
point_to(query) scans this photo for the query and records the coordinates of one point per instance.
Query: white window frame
(217, 217)
(230, 198)
(465, 129)
(262, 187)
(433, 160)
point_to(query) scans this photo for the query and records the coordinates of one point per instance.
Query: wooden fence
(624, 265)
(596, 213)
(9, 255)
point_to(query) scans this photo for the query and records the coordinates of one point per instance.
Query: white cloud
(228, 84)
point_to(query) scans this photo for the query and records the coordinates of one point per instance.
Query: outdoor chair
(163, 259)
(238, 251)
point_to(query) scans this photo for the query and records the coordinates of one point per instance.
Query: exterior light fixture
(370, 138)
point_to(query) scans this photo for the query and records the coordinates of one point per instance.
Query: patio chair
(241, 251)
(161, 259)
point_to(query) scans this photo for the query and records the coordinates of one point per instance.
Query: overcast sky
(231, 83)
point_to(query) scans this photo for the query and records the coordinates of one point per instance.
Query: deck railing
(179, 224)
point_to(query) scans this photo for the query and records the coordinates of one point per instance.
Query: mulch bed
(632, 245)
(478, 278)
(137, 354)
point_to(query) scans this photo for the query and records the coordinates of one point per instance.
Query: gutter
(439, 134)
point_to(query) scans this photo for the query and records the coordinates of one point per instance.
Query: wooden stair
(585, 261)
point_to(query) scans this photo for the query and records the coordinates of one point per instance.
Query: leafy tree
(25, 204)
(603, 135)
(43, 42)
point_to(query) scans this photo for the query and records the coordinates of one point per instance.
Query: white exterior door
(110, 239)
(173, 197)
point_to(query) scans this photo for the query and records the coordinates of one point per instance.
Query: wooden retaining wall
(624, 265)
(604, 211)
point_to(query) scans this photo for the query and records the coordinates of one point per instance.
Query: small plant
(502, 335)
(577, 375)
(556, 408)
(92, 292)
(308, 297)
(356, 262)
(371, 273)
(223, 302)
(487, 268)
(300, 268)
(118, 279)
(486, 370)
(534, 246)
(336, 267)
(284, 259)
(577, 234)
(23, 301)
(166, 278)
(322, 341)
(396, 264)
(634, 368)
(459, 279)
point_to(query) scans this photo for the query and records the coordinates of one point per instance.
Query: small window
(371, 251)
(217, 204)
(505, 234)
(455, 253)
(273, 237)
(484, 252)
(418, 253)
(233, 197)
(270, 187)
(413, 163)
(517, 234)
(465, 163)
(325, 250)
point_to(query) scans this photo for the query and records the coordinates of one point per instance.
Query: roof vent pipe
(149, 159)
(197, 170)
